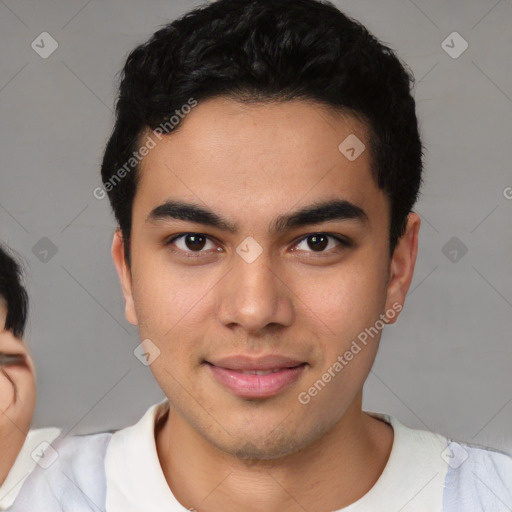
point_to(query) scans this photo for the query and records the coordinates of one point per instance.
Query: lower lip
(248, 385)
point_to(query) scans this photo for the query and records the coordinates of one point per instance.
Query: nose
(255, 297)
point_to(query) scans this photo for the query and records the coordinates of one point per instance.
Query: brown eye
(190, 243)
(318, 242)
(195, 242)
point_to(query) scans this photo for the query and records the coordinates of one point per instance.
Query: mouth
(261, 378)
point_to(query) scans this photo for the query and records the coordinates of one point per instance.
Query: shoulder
(461, 476)
(69, 475)
(36, 442)
(478, 479)
(74, 472)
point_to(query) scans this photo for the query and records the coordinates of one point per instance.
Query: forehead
(263, 158)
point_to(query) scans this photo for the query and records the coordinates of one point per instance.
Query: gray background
(445, 366)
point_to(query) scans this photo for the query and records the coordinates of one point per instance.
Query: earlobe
(125, 276)
(402, 266)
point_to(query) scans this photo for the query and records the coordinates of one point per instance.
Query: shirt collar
(414, 474)
(134, 476)
(25, 463)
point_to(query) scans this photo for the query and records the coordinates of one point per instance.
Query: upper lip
(247, 363)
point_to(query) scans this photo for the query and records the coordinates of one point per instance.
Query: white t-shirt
(120, 472)
(33, 452)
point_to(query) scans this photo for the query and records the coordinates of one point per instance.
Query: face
(277, 290)
(17, 394)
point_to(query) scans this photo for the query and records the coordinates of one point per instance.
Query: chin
(252, 452)
(258, 444)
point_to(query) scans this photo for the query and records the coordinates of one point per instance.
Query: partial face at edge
(198, 299)
(16, 405)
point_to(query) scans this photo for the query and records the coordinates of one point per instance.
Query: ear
(402, 264)
(125, 276)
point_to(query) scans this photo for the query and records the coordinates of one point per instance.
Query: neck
(330, 474)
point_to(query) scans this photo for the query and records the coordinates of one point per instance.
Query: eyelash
(191, 254)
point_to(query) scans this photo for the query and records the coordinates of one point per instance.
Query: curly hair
(269, 51)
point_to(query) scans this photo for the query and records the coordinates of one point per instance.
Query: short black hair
(14, 292)
(263, 51)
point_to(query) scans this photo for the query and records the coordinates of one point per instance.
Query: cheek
(6, 392)
(162, 295)
(346, 304)
(172, 307)
(345, 300)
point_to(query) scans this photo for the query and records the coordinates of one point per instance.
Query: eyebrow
(315, 213)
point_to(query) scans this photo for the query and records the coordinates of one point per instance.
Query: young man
(18, 448)
(263, 169)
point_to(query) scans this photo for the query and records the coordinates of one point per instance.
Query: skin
(17, 402)
(251, 163)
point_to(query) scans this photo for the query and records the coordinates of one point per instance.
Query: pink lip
(257, 386)
(247, 362)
